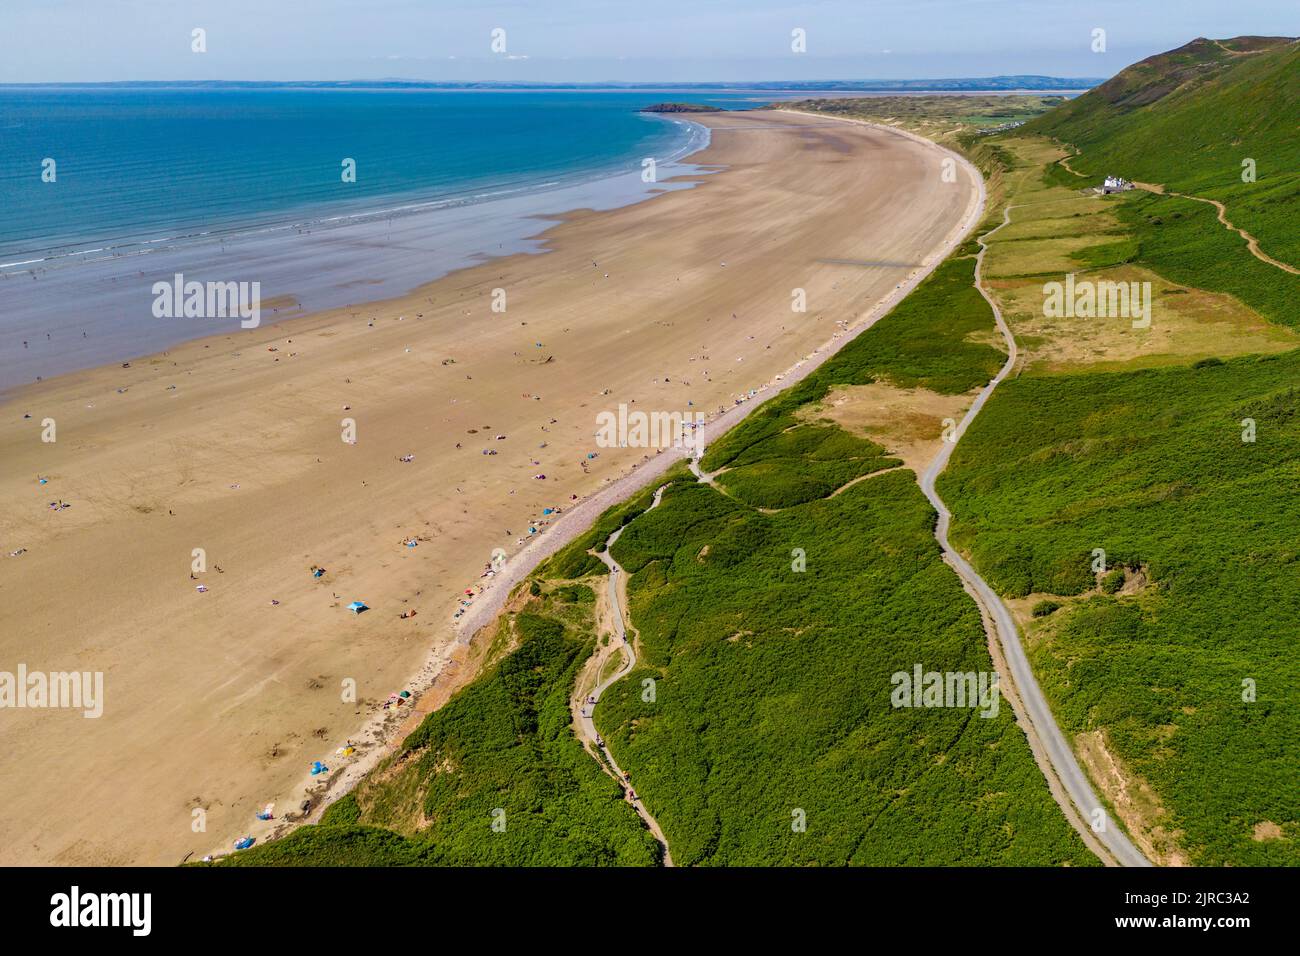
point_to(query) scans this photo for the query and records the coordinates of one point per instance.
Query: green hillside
(772, 705)
(500, 752)
(1189, 118)
(1151, 467)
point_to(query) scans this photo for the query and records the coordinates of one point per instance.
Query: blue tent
(356, 607)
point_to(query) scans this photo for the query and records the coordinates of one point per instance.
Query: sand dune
(221, 700)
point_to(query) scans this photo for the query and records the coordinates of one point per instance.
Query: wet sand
(221, 700)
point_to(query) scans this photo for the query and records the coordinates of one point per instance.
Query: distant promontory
(680, 108)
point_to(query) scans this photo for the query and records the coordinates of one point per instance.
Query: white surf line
(1057, 750)
(588, 707)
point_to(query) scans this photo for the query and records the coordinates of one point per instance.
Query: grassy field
(1210, 297)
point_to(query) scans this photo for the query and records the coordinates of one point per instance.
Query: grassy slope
(1188, 118)
(1184, 241)
(1150, 466)
(772, 686)
(503, 742)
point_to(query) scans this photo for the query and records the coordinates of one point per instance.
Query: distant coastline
(1013, 83)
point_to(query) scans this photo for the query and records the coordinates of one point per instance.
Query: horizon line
(775, 84)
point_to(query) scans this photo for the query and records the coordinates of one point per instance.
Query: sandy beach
(221, 699)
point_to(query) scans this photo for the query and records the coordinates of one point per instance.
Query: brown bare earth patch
(405, 812)
(1036, 630)
(1135, 581)
(908, 422)
(1132, 798)
(1266, 830)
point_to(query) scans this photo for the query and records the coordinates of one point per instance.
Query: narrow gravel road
(1058, 751)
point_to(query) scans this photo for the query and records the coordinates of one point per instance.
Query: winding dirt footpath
(586, 728)
(1044, 735)
(1251, 242)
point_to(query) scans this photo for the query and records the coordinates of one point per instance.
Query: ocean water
(246, 185)
(139, 164)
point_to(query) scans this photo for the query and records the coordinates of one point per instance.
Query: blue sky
(595, 40)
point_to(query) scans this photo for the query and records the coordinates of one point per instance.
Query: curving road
(1053, 742)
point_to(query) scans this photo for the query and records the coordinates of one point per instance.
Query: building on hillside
(1114, 184)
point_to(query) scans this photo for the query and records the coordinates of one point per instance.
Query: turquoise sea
(247, 185)
(143, 164)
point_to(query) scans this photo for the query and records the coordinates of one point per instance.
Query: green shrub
(342, 812)
(574, 594)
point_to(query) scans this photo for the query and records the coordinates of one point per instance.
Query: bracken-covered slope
(1190, 118)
